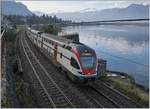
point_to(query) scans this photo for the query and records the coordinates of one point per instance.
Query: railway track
(78, 98)
(116, 97)
(90, 97)
(50, 91)
(100, 95)
(100, 99)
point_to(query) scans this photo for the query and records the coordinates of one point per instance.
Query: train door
(42, 42)
(74, 64)
(55, 53)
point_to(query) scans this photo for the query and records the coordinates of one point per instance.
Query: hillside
(14, 8)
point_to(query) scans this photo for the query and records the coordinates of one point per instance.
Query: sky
(74, 6)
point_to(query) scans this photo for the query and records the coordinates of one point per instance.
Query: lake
(125, 47)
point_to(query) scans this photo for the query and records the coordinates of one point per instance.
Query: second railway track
(119, 99)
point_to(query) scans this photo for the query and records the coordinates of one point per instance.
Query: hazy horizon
(76, 6)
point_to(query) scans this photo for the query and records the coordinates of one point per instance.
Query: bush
(5, 102)
(10, 34)
(51, 29)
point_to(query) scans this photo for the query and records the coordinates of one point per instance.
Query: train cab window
(52, 43)
(74, 63)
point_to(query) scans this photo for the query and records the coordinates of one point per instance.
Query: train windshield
(88, 62)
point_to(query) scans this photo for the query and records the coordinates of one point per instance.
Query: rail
(119, 99)
(94, 87)
(2, 33)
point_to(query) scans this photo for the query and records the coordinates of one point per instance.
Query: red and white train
(78, 60)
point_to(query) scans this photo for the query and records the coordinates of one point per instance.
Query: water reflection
(124, 47)
(119, 44)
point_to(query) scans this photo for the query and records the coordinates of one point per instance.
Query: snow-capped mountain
(133, 11)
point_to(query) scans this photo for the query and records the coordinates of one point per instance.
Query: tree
(51, 29)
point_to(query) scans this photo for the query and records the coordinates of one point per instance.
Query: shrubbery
(10, 34)
(51, 29)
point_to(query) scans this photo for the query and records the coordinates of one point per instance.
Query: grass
(23, 93)
(22, 87)
(9, 37)
(5, 101)
(51, 29)
(140, 95)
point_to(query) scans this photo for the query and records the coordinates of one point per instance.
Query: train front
(88, 63)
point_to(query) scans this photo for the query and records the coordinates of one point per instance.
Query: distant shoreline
(115, 23)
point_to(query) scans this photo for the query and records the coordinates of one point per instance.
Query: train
(78, 60)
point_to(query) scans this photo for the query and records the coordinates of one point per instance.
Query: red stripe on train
(89, 71)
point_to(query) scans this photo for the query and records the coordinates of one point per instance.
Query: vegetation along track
(114, 95)
(51, 92)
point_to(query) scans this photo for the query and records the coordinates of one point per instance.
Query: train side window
(60, 55)
(52, 43)
(74, 63)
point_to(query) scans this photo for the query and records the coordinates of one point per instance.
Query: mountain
(14, 8)
(88, 10)
(134, 11)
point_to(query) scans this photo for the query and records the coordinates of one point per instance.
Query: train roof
(57, 39)
(34, 31)
(79, 46)
(65, 42)
(82, 48)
